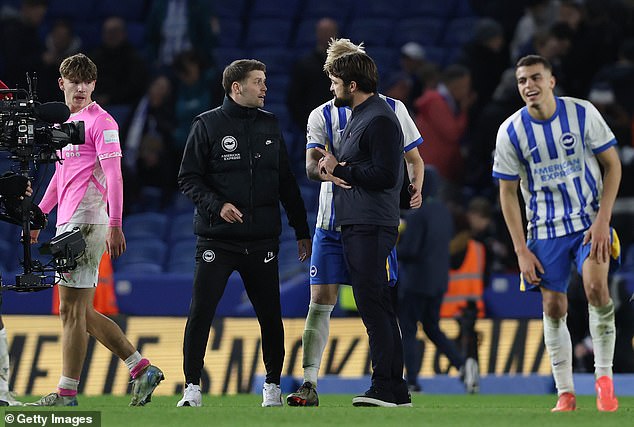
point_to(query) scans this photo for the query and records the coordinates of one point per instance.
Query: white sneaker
(191, 396)
(471, 376)
(9, 397)
(271, 395)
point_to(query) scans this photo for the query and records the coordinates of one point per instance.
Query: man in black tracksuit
(368, 182)
(235, 168)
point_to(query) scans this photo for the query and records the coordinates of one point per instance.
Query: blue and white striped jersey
(555, 162)
(325, 127)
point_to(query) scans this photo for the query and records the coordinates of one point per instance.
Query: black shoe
(402, 396)
(375, 397)
(414, 388)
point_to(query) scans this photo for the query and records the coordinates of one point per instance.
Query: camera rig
(32, 132)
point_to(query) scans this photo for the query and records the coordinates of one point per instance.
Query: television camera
(31, 133)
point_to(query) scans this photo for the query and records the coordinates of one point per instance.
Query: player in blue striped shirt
(553, 148)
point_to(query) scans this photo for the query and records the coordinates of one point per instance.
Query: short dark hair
(357, 67)
(454, 72)
(528, 60)
(78, 67)
(238, 70)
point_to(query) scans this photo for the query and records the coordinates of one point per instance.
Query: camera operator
(11, 185)
(18, 186)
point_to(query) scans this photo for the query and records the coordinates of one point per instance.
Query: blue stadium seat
(143, 250)
(139, 267)
(371, 31)
(385, 58)
(281, 112)
(145, 225)
(181, 228)
(130, 10)
(378, 9)
(120, 113)
(182, 267)
(459, 31)
(285, 9)
(182, 252)
(305, 34)
(426, 31)
(276, 87)
(268, 32)
(9, 255)
(426, 8)
(230, 33)
(74, 10)
(136, 34)
(226, 55)
(336, 9)
(278, 60)
(229, 9)
(89, 32)
(462, 8)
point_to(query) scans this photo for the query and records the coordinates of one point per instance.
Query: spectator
(423, 253)
(20, 45)
(442, 117)
(122, 72)
(175, 26)
(301, 97)
(486, 58)
(61, 42)
(538, 17)
(422, 73)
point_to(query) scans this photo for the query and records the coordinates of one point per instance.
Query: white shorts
(86, 275)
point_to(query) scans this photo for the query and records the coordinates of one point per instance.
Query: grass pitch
(337, 410)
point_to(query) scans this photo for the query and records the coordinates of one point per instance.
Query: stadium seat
(143, 250)
(181, 228)
(229, 9)
(89, 32)
(130, 10)
(426, 31)
(281, 112)
(459, 31)
(182, 267)
(276, 87)
(230, 33)
(9, 255)
(377, 9)
(425, 8)
(120, 113)
(278, 60)
(385, 58)
(226, 55)
(336, 9)
(182, 252)
(139, 267)
(136, 35)
(462, 8)
(371, 31)
(274, 32)
(628, 259)
(284, 9)
(305, 35)
(73, 10)
(145, 225)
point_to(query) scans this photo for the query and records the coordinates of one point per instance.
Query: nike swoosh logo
(268, 142)
(267, 259)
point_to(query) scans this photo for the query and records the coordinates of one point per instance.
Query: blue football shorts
(557, 255)
(328, 266)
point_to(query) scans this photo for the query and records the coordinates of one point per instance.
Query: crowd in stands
(451, 62)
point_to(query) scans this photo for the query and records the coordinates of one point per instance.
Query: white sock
(314, 339)
(68, 383)
(559, 346)
(603, 333)
(4, 361)
(132, 360)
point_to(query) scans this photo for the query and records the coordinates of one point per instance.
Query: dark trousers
(261, 281)
(414, 308)
(366, 248)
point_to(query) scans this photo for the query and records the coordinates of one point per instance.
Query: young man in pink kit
(87, 188)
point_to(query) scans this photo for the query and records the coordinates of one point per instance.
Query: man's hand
(327, 165)
(599, 237)
(115, 242)
(34, 235)
(529, 266)
(29, 191)
(230, 213)
(304, 249)
(415, 197)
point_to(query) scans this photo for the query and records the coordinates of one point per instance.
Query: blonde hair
(340, 47)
